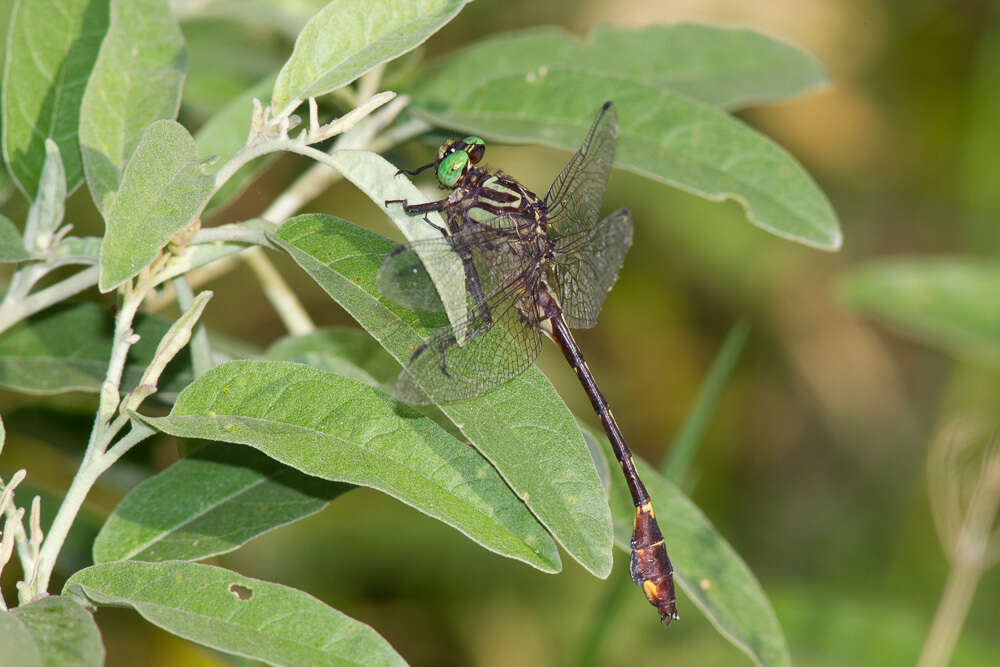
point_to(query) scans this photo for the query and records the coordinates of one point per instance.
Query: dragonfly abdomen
(649, 565)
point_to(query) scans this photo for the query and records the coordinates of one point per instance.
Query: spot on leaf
(242, 592)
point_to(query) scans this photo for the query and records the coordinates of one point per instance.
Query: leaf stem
(969, 562)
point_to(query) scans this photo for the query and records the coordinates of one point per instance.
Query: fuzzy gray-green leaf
(209, 503)
(47, 210)
(725, 67)
(347, 38)
(67, 348)
(62, 632)
(235, 614)
(136, 80)
(335, 428)
(162, 189)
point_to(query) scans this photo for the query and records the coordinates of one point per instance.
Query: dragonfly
(533, 266)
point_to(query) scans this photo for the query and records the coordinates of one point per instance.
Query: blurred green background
(814, 466)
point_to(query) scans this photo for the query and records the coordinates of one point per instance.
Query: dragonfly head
(456, 157)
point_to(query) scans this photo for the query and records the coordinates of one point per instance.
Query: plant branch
(293, 315)
(272, 134)
(14, 310)
(969, 561)
(106, 425)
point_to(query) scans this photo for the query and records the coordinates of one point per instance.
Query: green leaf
(49, 207)
(17, 644)
(523, 428)
(11, 243)
(347, 38)
(67, 348)
(235, 614)
(711, 573)
(51, 48)
(342, 351)
(950, 302)
(162, 190)
(662, 134)
(726, 67)
(52, 631)
(136, 80)
(225, 133)
(209, 503)
(338, 429)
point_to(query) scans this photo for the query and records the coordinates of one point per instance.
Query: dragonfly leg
(414, 209)
(426, 207)
(444, 232)
(414, 172)
(447, 342)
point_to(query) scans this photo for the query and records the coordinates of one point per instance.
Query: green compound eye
(452, 167)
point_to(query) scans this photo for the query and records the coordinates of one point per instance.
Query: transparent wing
(575, 196)
(501, 336)
(502, 342)
(403, 278)
(587, 266)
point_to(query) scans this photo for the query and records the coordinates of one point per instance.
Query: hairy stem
(293, 315)
(969, 561)
(101, 435)
(14, 310)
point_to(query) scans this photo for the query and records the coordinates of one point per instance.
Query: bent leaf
(338, 429)
(523, 427)
(347, 38)
(162, 189)
(950, 302)
(223, 610)
(211, 502)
